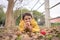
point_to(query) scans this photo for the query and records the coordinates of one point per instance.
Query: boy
(28, 24)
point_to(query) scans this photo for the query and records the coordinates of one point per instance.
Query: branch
(7, 0)
(15, 1)
(20, 0)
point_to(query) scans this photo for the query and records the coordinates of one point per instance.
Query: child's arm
(35, 26)
(21, 26)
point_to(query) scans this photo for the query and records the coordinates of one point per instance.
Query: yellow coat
(33, 23)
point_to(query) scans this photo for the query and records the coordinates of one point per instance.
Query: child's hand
(27, 24)
(30, 28)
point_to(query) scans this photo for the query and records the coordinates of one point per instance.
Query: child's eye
(28, 18)
(25, 19)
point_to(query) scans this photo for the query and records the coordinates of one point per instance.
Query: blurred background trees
(2, 16)
(37, 15)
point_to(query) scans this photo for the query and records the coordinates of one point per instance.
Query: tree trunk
(9, 14)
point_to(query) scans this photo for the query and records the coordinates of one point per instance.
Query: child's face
(27, 18)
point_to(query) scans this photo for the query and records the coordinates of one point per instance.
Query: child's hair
(26, 14)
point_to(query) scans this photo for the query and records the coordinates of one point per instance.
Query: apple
(43, 32)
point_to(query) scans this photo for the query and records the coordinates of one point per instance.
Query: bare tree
(9, 14)
(9, 22)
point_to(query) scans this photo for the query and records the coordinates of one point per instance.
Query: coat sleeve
(21, 28)
(36, 29)
(35, 26)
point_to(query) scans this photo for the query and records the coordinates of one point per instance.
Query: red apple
(43, 32)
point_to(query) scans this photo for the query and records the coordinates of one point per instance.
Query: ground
(52, 33)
